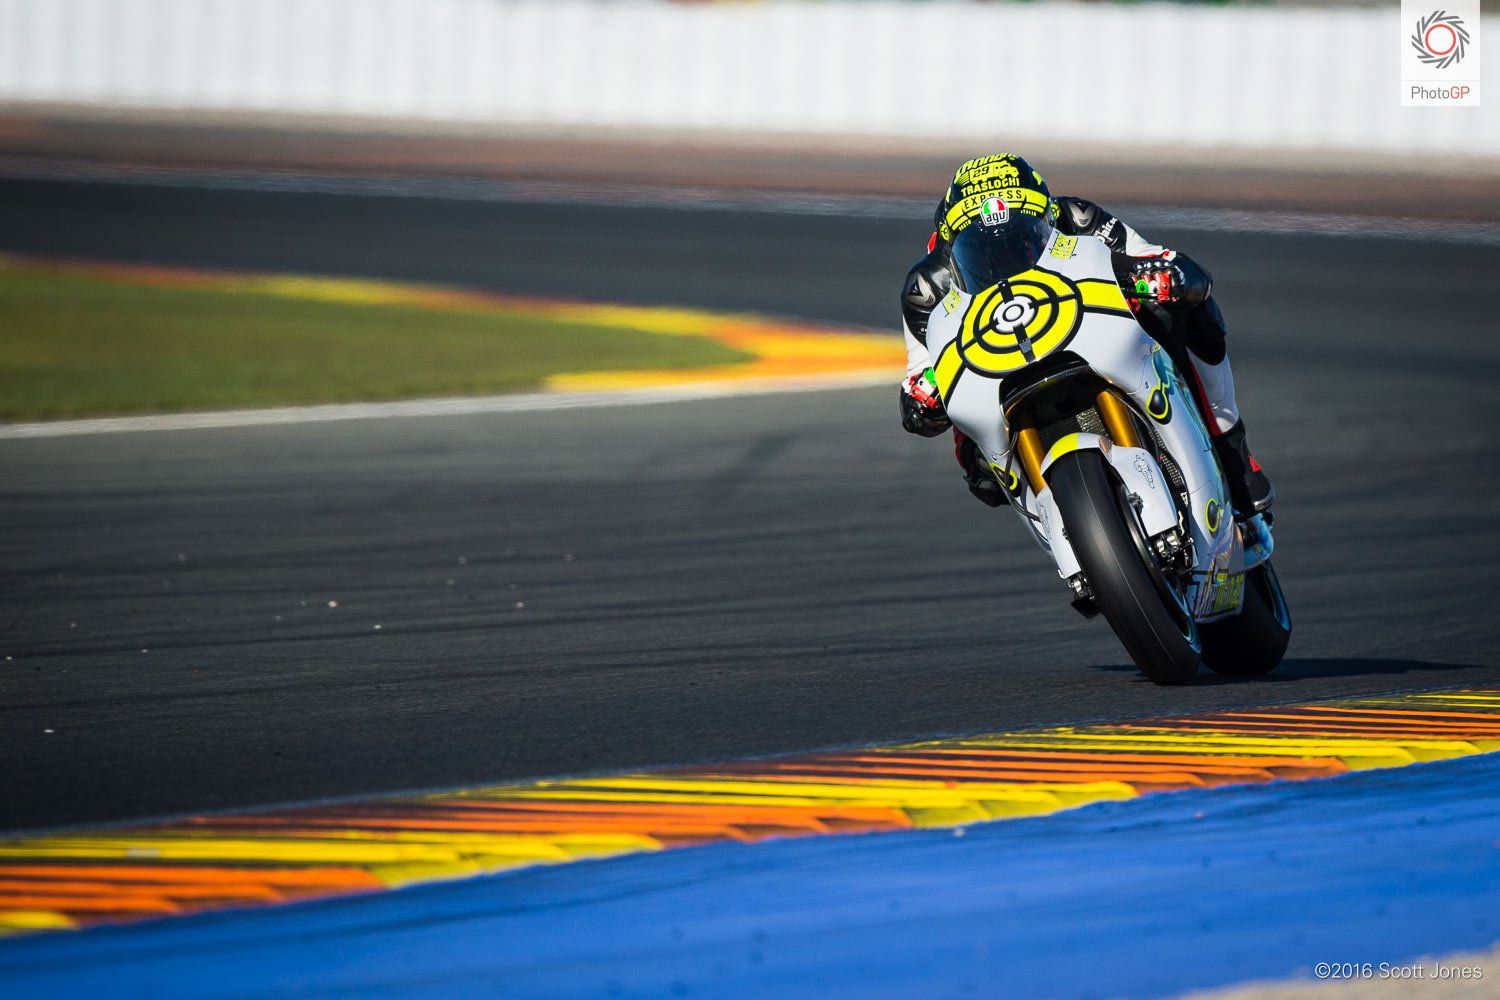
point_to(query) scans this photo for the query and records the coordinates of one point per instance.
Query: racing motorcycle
(1090, 428)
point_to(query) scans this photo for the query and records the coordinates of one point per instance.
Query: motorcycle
(1104, 453)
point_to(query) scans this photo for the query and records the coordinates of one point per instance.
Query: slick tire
(1253, 641)
(1158, 634)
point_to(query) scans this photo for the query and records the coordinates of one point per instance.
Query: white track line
(475, 189)
(457, 406)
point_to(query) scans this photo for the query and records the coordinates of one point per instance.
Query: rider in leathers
(1184, 318)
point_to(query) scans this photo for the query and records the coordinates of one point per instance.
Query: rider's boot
(977, 475)
(1249, 488)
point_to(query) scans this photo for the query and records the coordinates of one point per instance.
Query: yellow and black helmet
(995, 220)
(986, 186)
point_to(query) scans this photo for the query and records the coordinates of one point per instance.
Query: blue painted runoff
(1151, 897)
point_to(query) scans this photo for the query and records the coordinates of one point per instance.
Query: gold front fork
(1116, 419)
(1029, 447)
(1117, 422)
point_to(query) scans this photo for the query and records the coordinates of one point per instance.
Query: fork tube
(1029, 447)
(1117, 419)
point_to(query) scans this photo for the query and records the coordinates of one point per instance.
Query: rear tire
(1160, 636)
(1253, 641)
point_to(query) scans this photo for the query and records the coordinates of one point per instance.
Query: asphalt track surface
(597, 589)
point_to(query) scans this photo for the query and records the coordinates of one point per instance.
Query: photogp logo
(1441, 39)
(1440, 53)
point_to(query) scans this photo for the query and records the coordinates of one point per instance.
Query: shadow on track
(1305, 669)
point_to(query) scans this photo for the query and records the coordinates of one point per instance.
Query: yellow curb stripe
(251, 859)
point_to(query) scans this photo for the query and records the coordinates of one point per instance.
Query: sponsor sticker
(1001, 167)
(1143, 467)
(993, 212)
(1212, 513)
(1230, 593)
(1440, 53)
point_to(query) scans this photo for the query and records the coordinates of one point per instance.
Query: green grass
(73, 345)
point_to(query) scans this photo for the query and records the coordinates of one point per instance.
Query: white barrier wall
(1288, 77)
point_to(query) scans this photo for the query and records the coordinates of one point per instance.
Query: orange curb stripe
(305, 852)
(1045, 771)
(971, 772)
(1162, 779)
(1357, 718)
(98, 890)
(1443, 730)
(1394, 712)
(1079, 762)
(290, 879)
(1226, 763)
(648, 812)
(82, 909)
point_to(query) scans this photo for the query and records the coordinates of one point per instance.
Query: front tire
(1160, 636)
(1253, 641)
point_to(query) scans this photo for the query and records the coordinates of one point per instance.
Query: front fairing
(1070, 301)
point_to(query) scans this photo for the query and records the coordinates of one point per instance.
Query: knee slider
(1206, 332)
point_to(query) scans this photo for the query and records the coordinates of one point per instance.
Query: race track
(600, 589)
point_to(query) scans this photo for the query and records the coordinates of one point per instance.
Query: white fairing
(1110, 340)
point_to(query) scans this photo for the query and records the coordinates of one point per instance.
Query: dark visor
(987, 255)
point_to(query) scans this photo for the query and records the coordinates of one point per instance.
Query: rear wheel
(1253, 641)
(1135, 598)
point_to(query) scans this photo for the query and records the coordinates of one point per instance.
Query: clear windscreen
(987, 255)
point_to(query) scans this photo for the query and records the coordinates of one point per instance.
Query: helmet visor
(987, 255)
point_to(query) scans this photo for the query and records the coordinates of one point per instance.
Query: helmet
(996, 217)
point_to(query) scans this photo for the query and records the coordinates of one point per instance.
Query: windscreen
(986, 255)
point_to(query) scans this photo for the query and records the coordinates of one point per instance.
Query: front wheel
(1158, 633)
(1253, 641)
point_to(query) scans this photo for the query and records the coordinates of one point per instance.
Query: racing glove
(1171, 279)
(921, 407)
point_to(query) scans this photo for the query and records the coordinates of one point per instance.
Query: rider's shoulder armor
(1081, 217)
(926, 283)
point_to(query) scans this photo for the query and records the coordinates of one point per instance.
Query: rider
(1184, 317)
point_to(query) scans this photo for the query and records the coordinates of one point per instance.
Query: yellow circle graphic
(1020, 320)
